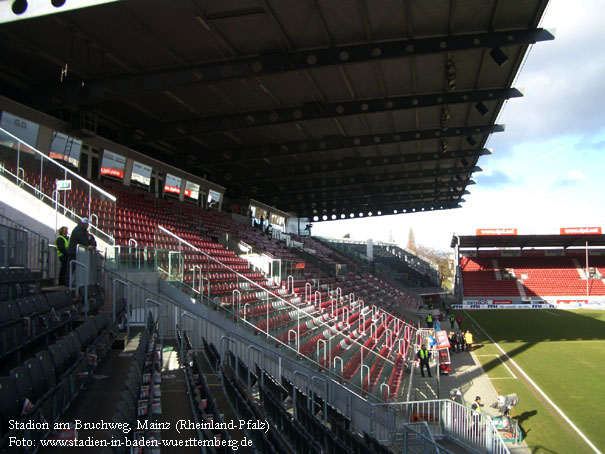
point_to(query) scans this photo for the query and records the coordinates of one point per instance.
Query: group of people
(462, 341)
(67, 245)
(453, 319)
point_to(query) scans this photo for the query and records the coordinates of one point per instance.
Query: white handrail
(295, 338)
(341, 363)
(239, 302)
(346, 320)
(322, 341)
(317, 301)
(75, 175)
(241, 277)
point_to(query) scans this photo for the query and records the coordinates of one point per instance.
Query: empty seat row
(43, 387)
(140, 400)
(24, 321)
(205, 407)
(246, 409)
(16, 283)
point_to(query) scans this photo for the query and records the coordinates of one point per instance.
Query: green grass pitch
(563, 352)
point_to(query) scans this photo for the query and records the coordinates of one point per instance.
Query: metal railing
(173, 268)
(37, 174)
(445, 419)
(417, 439)
(389, 423)
(21, 247)
(141, 298)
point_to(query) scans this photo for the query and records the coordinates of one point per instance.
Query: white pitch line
(558, 410)
(507, 368)
(551, 313)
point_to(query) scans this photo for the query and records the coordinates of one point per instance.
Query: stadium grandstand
(198, 141)
(402, 265)
(506, 268)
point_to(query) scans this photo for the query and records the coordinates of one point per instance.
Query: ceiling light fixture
(498, 55)
(19, 6)
(481, 108)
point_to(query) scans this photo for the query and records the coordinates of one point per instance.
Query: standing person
(477, 405)
(468, 337)
(62, 244)
(459, 321)
(476, 414)
(429, 321)
(461, 342)
(452, 320)
(453, 342)
(79, 236)
(424, 355)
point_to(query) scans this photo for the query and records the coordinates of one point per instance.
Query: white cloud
(551, 151)
(575, 175)
(562, 80)
(572, 177)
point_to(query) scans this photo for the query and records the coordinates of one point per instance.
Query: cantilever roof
(528, 241)
(318, 107)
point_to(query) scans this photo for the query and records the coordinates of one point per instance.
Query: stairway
(521, 288)
(581, 271)
(497, 270)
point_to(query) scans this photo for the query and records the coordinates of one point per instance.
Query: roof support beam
(396, 191)
(341, 167)
(278, 61)
(311, 111)
(355, 181)
(245, 156)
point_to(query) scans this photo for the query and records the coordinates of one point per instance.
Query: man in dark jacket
(79, 236)
(62, 243)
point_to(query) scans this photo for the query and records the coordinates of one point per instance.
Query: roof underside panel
(323, 107)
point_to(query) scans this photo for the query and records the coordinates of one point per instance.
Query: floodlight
(19, 6)
(499, 57)
(481, 108)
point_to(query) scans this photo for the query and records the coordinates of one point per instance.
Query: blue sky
(547, 168)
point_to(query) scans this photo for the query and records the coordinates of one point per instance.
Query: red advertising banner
(172, 184)
(442, 339)
(299, 266)
(172, 189)
(499, 231)
(580, 230)
(572, 301)
(502, 302)
(108, 171)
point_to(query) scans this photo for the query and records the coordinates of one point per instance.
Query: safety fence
(386, 422)
(181, 293)
(308, 325)
(20, 247)
(418, 439)
(56, 185)
(445, 419)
